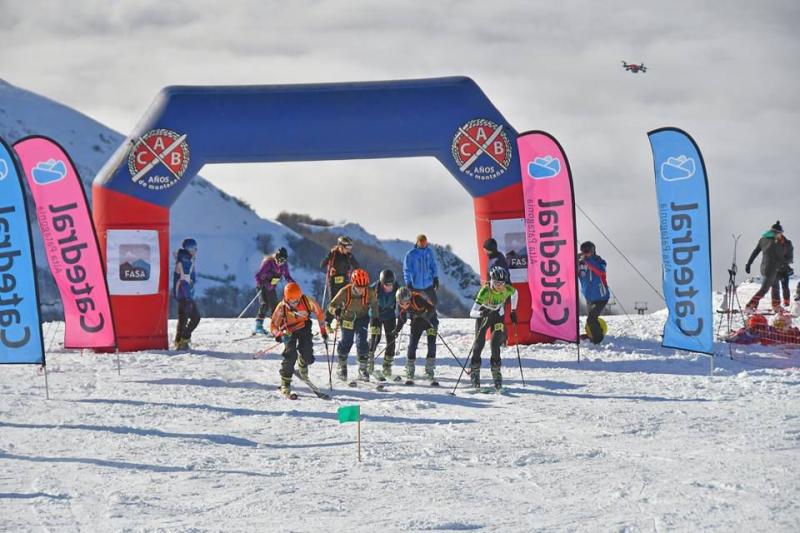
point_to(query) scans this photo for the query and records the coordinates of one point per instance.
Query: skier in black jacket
(338, 265)
(495, 257)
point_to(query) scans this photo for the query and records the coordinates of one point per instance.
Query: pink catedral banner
(550, 235)
(70, 242)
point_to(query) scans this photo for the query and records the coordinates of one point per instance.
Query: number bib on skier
(275, 281)
(347, 324)
(499, 326)
(338, 279)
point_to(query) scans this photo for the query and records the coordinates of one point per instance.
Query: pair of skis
(310, 384)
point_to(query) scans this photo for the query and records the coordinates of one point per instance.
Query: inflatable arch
(187, 127)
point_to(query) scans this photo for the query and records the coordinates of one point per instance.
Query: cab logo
(481, 149)
(158, 160)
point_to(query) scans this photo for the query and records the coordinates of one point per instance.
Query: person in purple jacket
(273, 268)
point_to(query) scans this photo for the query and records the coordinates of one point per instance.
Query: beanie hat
(776, 227)
(490, 244)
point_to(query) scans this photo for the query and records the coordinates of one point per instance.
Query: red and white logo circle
(158, 159)
(481, 149)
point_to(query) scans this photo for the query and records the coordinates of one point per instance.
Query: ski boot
(184, 344)
(386, 372)
(410, 371)
(497, 377)
(430, 368)
(363, 367)
(371, 363)
(302, 369)
(259, 327)
(475, 377)
(285, 388)
(341, 369)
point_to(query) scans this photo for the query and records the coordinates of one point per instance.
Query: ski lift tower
(640, 307)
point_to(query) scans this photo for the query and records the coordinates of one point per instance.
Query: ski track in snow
(634, 438)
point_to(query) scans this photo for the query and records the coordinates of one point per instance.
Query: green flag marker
(349, 413)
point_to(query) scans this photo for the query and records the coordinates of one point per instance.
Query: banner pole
(119, 369)
(578, 346)
(519, 358)
(46, 385)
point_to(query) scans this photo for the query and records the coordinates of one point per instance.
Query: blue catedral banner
(20, 327)
(684, 221)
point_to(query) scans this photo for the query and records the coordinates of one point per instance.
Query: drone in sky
(633, 67)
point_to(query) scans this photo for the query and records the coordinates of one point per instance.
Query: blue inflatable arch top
(321, 122)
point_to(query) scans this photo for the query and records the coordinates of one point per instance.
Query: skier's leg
(287, 364)
(787, 293)
(193, 319)
(596, 332)
(362, 346)
(417, 327)
(305, 347)
(181, 326)
(498, 339)
(343, 350)
(388, 353)
(766, 285)
(430, 359)
(480, 342)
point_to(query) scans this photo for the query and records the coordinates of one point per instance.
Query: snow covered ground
(634, 438)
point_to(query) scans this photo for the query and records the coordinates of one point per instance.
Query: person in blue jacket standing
(419, 269)
(183, 280)
(592, 275)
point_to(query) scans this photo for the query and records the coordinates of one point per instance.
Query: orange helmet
(756, 321)
(359, 277)
(292, 291)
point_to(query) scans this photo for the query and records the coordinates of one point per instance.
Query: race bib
(338, 279)
(499, 326)
(431, 332)
(347, 324)
(275, 281)
(375, 330)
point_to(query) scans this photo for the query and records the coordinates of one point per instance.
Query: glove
(513, 317)
(279, 338)
(338, 312)
(324, 334)
(747, 268)
(436, 283)
(485, 312)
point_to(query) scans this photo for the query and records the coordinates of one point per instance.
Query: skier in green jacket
(489, 310)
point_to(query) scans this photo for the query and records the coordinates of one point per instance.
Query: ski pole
(330, 366)
(519, 359)
(474, 340)
(462, 365)
(248, 305)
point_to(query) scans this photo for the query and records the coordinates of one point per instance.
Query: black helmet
(344, 240)
(387, 276)
(189, 244)
(281, 255)
(587, 247)
(498, 273)
(403, 295)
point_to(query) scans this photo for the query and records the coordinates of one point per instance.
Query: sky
(726, 72)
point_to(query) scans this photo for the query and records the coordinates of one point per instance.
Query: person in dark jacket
(772, 248)
(183, 280)
(417, 307)
(419, 269)
(385, 289)
(495, 258)
(594, 286)
(338, 265)
(784, 273)
(273, 268)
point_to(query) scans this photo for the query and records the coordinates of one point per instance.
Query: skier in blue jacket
(592, 275)
(183, 280)
(419, 269)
